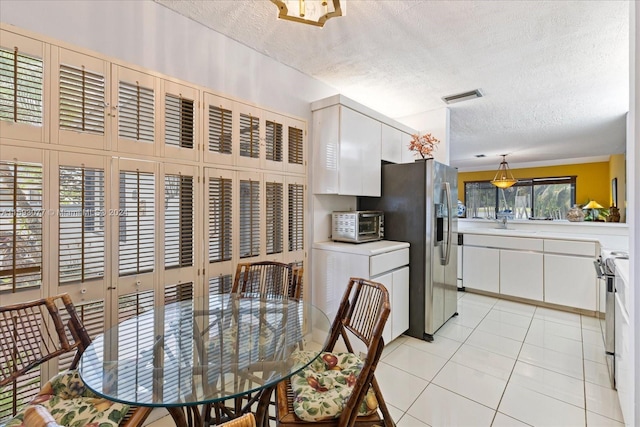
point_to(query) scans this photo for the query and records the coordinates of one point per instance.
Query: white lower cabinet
(571, 281)
(521, 274)
(481, 268)
(397, 283)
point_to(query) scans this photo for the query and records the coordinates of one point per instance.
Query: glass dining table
(191, 356)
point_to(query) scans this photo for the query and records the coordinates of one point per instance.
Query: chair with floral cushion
(340, 389)
(40, 331)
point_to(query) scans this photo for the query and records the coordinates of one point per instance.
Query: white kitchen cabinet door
(521, 274)
(391, 144)
(481, 268)
(359, 164)
(570, 281)
(407, 155)
(387, 281)
(400, 303)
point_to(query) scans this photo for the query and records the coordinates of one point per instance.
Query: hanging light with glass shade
(504, 178)
(313, 12)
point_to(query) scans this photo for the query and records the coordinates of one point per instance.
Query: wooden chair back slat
(268, 279)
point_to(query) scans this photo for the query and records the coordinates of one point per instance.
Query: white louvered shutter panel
(21, 214)
(179, 221)
(274, 217)
(220, 284)
(81, 224)
(221, 119)
(249, 136)
(220, 219)
(81, 100)
(274, 141)
(136, 117)
(295, 217)
(249, 218)
(179, 120)
(136, 223)
(295, 148)
(21, 87)
(220, 130)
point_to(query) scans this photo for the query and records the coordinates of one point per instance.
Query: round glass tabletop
(201, 351)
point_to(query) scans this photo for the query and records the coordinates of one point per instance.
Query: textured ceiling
(554, 73)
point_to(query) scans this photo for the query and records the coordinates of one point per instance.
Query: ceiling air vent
(462, 96)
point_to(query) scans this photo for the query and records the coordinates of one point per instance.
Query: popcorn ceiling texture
(554, 73)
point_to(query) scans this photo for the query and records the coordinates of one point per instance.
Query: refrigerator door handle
(447, 189)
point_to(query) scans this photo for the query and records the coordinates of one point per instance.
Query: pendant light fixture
(312, 12)
(504, 178)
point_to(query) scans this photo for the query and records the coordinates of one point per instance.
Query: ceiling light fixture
(504, 178)
(458, 97)
(313, 12)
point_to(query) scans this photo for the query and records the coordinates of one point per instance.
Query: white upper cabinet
(347, 152)
(391, 149)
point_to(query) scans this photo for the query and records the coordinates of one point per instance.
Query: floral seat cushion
(323, 388)
(72, 404)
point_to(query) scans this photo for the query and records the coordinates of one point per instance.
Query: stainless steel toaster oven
(357, 226)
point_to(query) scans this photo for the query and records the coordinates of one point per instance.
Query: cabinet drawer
(521, 243)
(388, 261)
(570, 247)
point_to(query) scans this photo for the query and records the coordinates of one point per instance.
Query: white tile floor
(499, 363)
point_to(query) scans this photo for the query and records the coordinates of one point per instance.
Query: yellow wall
(617, 169)
(592, 182)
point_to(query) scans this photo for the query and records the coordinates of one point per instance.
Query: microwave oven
(357, 226)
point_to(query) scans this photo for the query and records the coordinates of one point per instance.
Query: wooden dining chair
(34, 333)
(268, 279)
(247, 420)
(340, 389)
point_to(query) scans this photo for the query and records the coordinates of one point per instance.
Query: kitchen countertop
(529, 233)
(368, 249)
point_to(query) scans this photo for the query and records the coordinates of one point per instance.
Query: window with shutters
(220, 121)
(179, 119)
(81, 227)
(21, 87)
(295, 146)
(220, 219)
(81, 100)
(274, 141)
(220, 284)
(20, 225)
(296, 217)
(249, 136)
(137, 222)
(136, 112)
(274, 218)
(249, 218)
(178, 221)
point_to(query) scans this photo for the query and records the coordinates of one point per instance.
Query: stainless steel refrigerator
(419, 201)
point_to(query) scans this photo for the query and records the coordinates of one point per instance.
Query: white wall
(147, 34)
(437, 123)
(633, 189)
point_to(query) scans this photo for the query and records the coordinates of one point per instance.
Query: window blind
(20, 225)
(21, 87)
(295, 145)
(178, 221)
(137, 223)
(136, 118)
(220, 121)
(220, 219)
(82, 100)
(274, 217)
(81, 226)
(249, 218)
(249, 136)
(179, 119)
(296, 217)
(274, 141)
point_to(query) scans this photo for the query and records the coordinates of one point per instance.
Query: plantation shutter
(249, 136)
(296, 217)
(179, 121)
(220, 121)
(21, 87)
(249, 218)
(220, 219)
(20, 225)
(82, 216)
(81, 100)
(178, 230)
(136, 118)
(274, 217)
(274, 141)
(137, 223)
(295, 146)
(220, 284)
